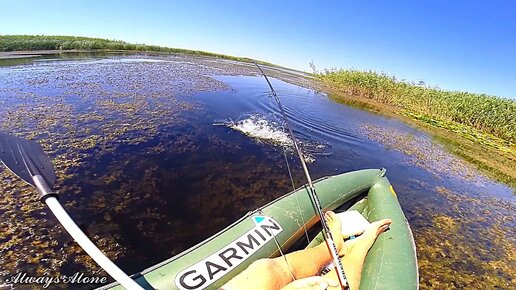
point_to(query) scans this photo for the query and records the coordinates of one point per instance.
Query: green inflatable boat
(390, 264)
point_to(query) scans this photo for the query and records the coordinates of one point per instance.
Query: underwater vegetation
(145, 180)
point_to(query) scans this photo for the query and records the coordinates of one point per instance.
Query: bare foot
(335, 226)
(367, 239)
(378, 227)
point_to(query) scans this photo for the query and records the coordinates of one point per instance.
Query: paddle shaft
(77, 234)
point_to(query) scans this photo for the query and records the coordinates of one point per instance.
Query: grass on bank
(477, 127)
(489, 114)
(12, 43)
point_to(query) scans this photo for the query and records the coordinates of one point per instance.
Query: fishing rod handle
(43, 188)
(332, 248)
(339, 268)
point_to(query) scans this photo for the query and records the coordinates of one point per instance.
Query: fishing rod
(328, 237)
(27, 160)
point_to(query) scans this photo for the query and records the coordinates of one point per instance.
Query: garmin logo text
(209, 270)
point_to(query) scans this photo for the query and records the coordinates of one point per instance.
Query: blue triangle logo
(258, 219)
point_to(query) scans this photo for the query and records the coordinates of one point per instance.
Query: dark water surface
(155, 154)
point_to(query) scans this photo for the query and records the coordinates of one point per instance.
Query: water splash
(260, 128)
(264, 129)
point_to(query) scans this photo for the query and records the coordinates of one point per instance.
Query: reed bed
(42, 42)
(489, 114)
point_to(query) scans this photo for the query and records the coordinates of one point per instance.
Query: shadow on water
(149, 165)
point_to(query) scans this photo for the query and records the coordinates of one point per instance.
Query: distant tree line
(43, 42)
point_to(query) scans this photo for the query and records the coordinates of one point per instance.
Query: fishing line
(294, 188)
(297, 199)
(312, 193)
(282, 254)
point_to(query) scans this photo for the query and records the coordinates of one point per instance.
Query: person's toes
(330, 216)
(381, 225)
(383, 228)
(332, 219)
(335, 227)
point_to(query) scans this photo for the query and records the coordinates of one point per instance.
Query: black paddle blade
(26, 159)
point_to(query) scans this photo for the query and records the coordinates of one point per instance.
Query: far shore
(37, 53)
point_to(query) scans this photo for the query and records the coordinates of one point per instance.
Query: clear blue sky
(460, 45)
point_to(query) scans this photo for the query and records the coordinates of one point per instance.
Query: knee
(264, 265)
(271, 272)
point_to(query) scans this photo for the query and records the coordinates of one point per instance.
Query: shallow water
(154, 154)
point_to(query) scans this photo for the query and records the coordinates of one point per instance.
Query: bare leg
(356, 251)
(276, 273)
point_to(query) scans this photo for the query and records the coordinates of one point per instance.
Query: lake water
(156, 153)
